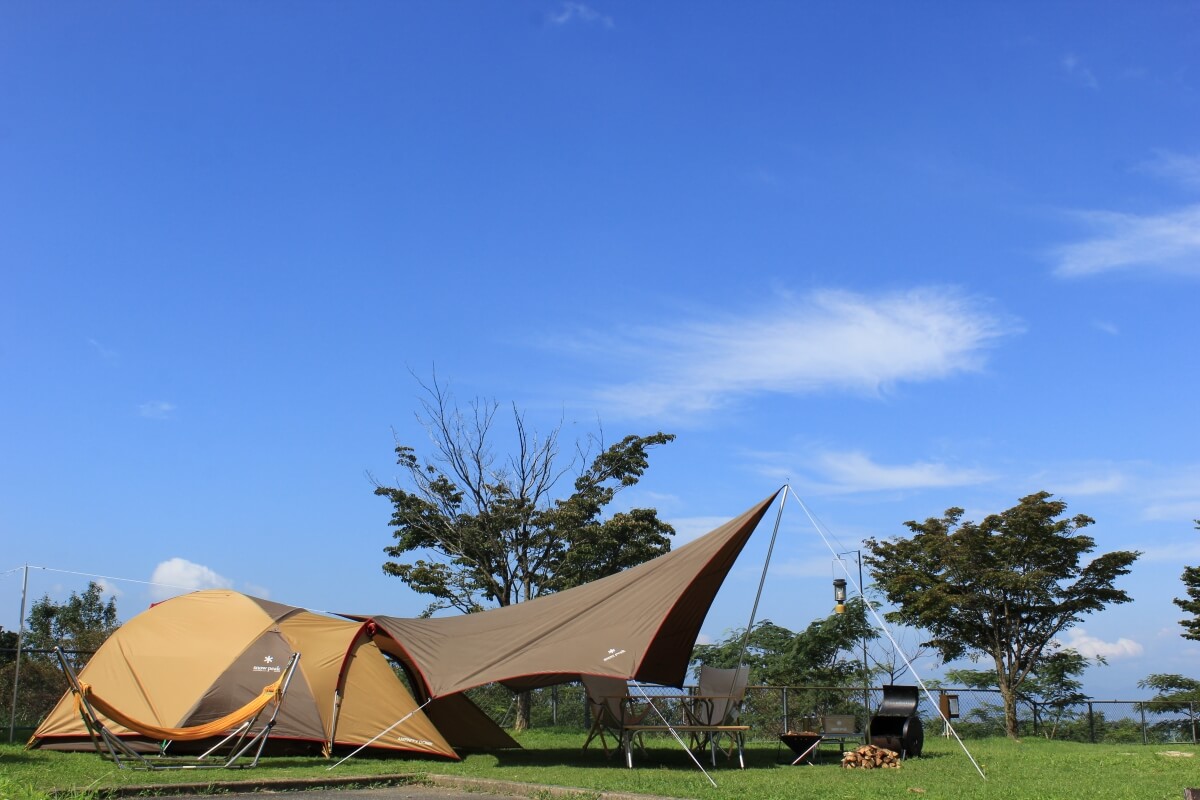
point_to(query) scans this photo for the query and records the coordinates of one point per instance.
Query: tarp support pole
(763, 579)
(888, 633)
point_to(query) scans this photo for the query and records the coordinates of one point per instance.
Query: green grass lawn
(1031, 770)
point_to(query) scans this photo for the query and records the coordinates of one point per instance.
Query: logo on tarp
(268, 665)
(410, 740)
(613, 653)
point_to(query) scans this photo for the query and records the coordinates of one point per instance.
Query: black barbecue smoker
(896, 725)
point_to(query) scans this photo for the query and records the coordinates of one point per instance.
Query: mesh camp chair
(611, 709)
(718, 702)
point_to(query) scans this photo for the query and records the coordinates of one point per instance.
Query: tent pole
(12, 719)
(762, 580)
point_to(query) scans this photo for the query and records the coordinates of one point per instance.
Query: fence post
(787, 726)
(1192, 719)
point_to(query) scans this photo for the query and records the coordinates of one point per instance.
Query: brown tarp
(641, 623)
(196, 657)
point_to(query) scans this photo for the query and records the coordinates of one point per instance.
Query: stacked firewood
(871, 757)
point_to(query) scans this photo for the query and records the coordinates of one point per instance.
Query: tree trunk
(524, 706)
(1010, 710)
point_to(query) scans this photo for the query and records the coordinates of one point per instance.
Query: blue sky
(902, 256)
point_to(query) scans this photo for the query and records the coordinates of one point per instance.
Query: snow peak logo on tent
(268, 665)
(613, 653)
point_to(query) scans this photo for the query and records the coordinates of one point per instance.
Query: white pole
(383, 732)
(12, 719)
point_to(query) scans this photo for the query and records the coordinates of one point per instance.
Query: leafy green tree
(79, 626)
(8, 646)
(1055, 681)
(826, 653)
(823, 656)
(1177, 690)
(1054, 684)
(1003, 588)
(1191, 580)
(489, 531)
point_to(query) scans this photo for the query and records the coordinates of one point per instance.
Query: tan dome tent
(194, 658)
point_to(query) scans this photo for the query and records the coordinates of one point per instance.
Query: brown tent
(196, 657)
(641, 623)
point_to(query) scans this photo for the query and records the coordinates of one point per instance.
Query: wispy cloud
(156, 409)
(105, 353)
(1106, 327)
(1167, 242)
(845, 472)
(1155, 492)
(1078, 72)
(828, 340)
(572, 12)
(1175, 167)
(178, 574)
(855, 471)
(1096, 484)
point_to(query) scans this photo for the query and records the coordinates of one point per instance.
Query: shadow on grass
(657, 756)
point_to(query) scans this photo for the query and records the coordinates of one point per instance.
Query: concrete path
(393, 787)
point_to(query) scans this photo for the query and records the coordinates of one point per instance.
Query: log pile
(871, 757)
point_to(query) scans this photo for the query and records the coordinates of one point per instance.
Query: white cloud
(579, 12)
(1107, 327)
(1173, 493)
(1090, 646)
(1170, 552)
(109, 587)
(156, 409)
(1108, 483)
(1175, 167)
(844, 472)
(1167, 242)
(828, 340)
(856, 472)
(1182, 509)
(177, 574)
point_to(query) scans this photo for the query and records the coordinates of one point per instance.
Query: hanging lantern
(839, 595)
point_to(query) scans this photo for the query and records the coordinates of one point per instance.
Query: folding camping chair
(611, 709)
(717, 704)
(238, 726)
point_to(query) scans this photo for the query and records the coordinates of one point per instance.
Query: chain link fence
(772, 710)
(768, 710)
